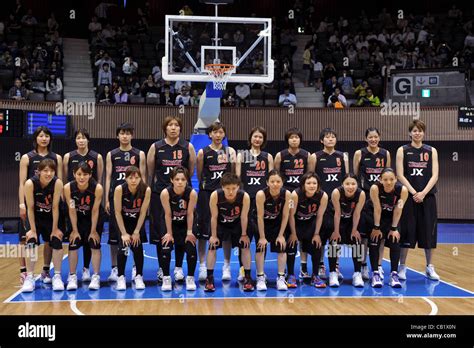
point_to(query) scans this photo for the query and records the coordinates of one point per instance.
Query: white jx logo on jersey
(121, 176)
(293, 180)
(374, 177)
(168, 170)
(216, 175)
(417, 172)
(332, 177)
(178, 218)
(254, 181)
(41, 210)
(132, 215)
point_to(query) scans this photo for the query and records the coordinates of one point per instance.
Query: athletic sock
(364, 264)
(210, 273)
(304, 267)
(46, 268)
(247, 273)
(281, 274)
(23, 270)
(261, 275)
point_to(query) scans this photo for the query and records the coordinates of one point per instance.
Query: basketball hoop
(220, 74)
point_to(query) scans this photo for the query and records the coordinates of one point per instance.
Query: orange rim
(219, 69)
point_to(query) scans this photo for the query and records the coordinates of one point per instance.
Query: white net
(220, 74)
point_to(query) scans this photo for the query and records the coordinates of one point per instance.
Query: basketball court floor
(453, 295)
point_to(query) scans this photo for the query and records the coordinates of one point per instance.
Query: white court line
(73, 305)
(434, 307)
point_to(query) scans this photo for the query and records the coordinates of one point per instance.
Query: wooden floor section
(454, 262)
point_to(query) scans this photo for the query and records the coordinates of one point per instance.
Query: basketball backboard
(191, 42)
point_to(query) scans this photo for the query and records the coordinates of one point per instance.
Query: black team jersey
(229, 212)
(43, 197)
(388, 200)
(418, 166)
(168, 157)
(179, 205)
(273, 207)
(348, 204)
(121, 160)
(75, 158)
(307, 208)
(330, 169)
(293, 168)
(215, 164)
(131, 206)
(254, 172)
(83, 200)
(34, 160)
(371, 166)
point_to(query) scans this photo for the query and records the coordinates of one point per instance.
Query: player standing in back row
(212, 162)
(163, 156)
(331, 167)
(418, 169)
(117, 162)
(293, 163)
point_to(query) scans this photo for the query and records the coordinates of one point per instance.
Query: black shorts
(113, 229)
(44, 227)
(84, 227)
(157, 218)
(345, 229)
(271, 235)
(130, 227)
(385, 225)
(327, 227)
(180, 232)
(232, 233)
(203, 225)
(419, 223)
(252, 227)
(305, 232)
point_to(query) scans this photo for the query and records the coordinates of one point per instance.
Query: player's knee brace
(31, 243)
(56, 243)
(93, 244)
(76, 245)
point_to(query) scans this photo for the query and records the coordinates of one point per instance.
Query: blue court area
(416, 286)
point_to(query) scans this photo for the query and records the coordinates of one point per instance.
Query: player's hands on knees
(335, 237)
(73, 236)
(316, 240)
(395, 235)
(191, 238)
(376, 235)
(107, 207)
(355, 235)
(166, 239)
(281, 240)
(126, 239)
(262, 243)
(95, 237)
(58, 234)
(245, 241)
(30, 235)
(136, 238)
(292, 240)
(214, 241)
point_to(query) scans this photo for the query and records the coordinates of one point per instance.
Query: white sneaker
(46, 277)
(159, 275)
(322, 272)
(95, 282)
(281, 283)
(28, 284)
(178, 274)
(139, 284)
(402, 272)
(376, 281)
(72, 282)
(431, 273)
(190, 283)
(58, 284)
(202, 273)
(226, 272)
(167, 285)
(113, 277)
(134, 272)
(86, 275)
(333, 280)
(121, 283)
(381, 274)
(340, 277)
(241, 276)
(357, 280)
(394, 281)
(261, 285)
(365, 272)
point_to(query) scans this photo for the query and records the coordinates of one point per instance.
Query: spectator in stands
(286, 99)
(169, 85)
(53, 68)
(36, 73)
(149, 89)
(330, 86)
(183, 98)
(339, 96)
(156, 72)
(125, 49)
(57, 56)
(286, 69)
(29, 20)
(23, 64)
(469, 40)
(454, 12)
(385, 72)
(94, 26)
(105, 76)
(335, 103)
(13, 24)
(101, 11)
(307, 64)
(242, 92)
(114, 87)
(130, 67)
(121, 96)
(108, 33)
(346, 82)
(132, 85)
(361, 90)
(54, 39)
(106, 96)
(238, 38)
(229, 99)
(141, 28)
(98, 40)
(317, 74)
(6, 60)
(20, 11)
(369, 100)
(18, 92)
(104, 58)
(166, 97)
(186, 11)
(39, 54)
(54, 85)
(329, 71)
(196, 98)
(53, 25)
